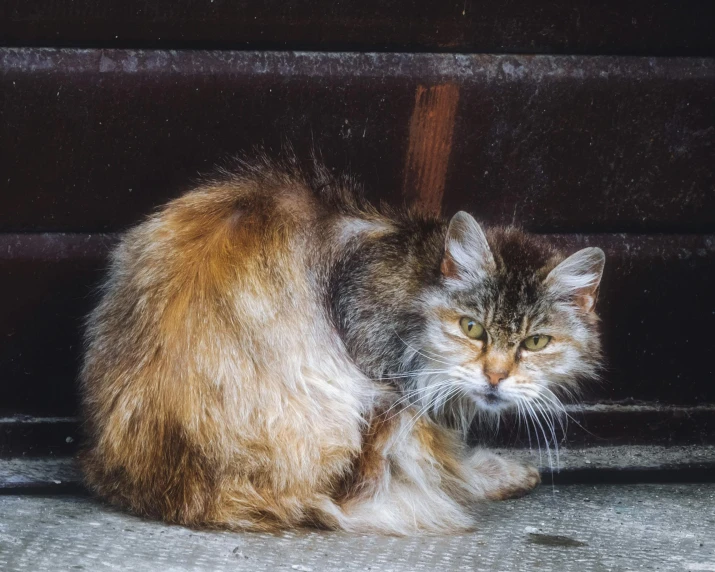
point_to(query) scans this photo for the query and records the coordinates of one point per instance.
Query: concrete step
(563, 465)
(596, 425)
(577, 528)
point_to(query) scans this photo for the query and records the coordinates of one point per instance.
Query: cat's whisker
(408, 374)
(442, 398)
(534, 406)
(522, 415)
(550, 402)
(528, 421)
(556, 411)
(418, 352)
(567, 415)
(465, 417)
(532, 418)
(405, 400)
(518, 418)
(413, 422)
(579, 425)
(549, 421)
(537, 410)
(464, 408)
(549, 406)
(412, 393)
(410, 423)
(571, 394)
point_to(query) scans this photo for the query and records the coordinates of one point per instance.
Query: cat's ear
(578, 277)
(466, 250)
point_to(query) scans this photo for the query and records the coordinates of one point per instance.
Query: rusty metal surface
(656, 303)
(91, 140)
(667, 27)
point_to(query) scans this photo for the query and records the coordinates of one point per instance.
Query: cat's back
(250, 216)
(215, 264)
(211, 328)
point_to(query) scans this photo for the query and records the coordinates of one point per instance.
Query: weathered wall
(615, 151)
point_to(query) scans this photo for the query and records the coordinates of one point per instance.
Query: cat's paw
(510, 479)
(523, 479)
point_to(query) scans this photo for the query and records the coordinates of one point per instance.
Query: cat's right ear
(466, 250)
(578, 277)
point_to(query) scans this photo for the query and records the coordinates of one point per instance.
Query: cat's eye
(471, 328)
(537, 342)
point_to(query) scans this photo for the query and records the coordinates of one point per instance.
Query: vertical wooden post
(430, 145)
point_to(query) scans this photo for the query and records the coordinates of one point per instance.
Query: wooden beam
(430, 146)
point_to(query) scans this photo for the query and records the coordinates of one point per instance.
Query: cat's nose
(496, 377)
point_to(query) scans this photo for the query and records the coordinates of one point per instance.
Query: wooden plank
(431, 128)
(92, 140)
(667, 27)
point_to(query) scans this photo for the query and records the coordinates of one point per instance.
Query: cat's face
(511, 325)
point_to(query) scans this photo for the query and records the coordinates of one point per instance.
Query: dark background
(592, 122)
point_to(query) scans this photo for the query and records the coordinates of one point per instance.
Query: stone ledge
(645, 463)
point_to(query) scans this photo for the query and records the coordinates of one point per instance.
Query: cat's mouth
(490, 398)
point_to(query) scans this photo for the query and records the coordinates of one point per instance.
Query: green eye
(471, 328)
(537, 342)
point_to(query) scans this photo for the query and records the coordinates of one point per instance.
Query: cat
(272, 351)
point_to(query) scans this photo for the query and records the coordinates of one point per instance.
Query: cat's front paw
(515, 480)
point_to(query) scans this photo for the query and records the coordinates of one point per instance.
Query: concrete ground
(566, 528)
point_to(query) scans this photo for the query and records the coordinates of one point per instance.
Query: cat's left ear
(466, 250)
(578, 277)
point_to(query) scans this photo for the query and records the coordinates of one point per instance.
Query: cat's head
(511, 322)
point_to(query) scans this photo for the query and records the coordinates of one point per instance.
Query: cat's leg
(409, 478)
(490, 476)
(405, 508)
(473, 474)
(426, 481)
(406, 481)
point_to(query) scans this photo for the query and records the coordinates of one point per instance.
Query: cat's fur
(270, 351)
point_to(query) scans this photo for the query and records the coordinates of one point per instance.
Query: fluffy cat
(271, 351)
